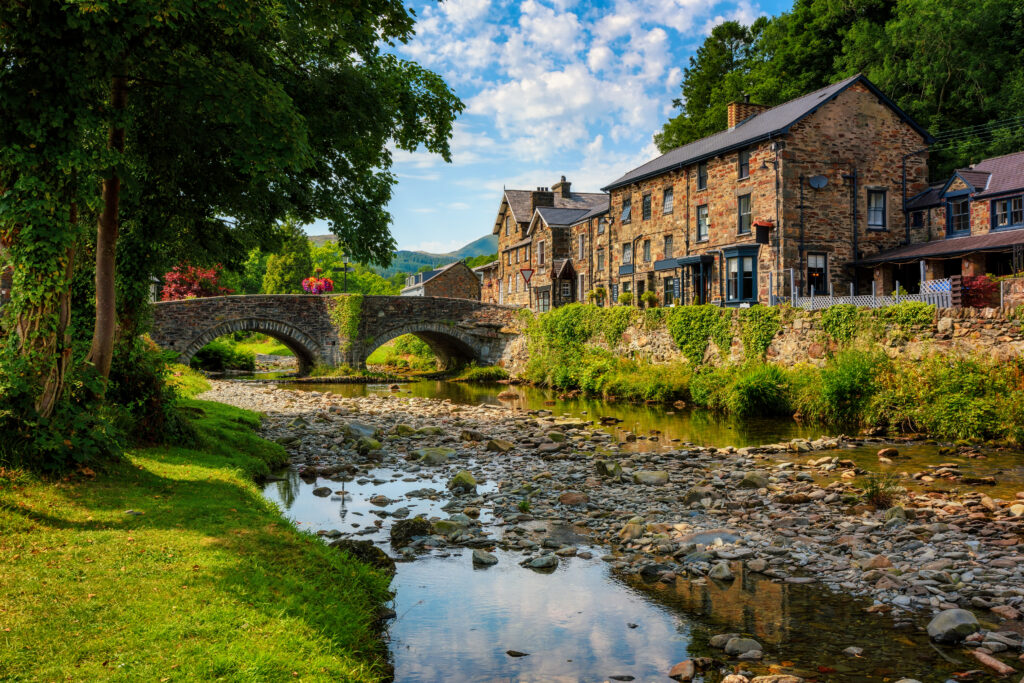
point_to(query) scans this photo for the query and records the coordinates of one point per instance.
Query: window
(518, 254)
(580, 246)
(527, 252)
(510, 279)
(917, 219)
(743, 167)
(540, 253)
(626, 286)
(702, 176)
(876, 208)
(544, 301)
(1008, 213)
(647, 250)
(627, 209)
(508, 225)
(959, 216)
(645, 205)
(668, 246)
(639, 289)
(627, 253)
(702, 223)
(667, 200)
(509, 257)
(740, 278)
(600, 226)
(670, 291)
(600, 260)
(743, 214)
(579, 287)
(817, 273)
(566, 290)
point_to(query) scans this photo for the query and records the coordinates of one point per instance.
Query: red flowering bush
(318, 285)
(980, 291)
(192, 282)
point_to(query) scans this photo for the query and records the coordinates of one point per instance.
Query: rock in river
(434, 456)
(404, 530)
(654, 478)
(500, 446)
(366, 551)
(484, 558)
(952, 626)
(543, 562)
(721, 572)
(754, 480)
(739, 646)
(683, 671)
(463, 480)
(322, 491)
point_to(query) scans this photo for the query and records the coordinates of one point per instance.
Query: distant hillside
(411, 261)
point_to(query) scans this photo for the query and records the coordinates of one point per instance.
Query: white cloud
(458, 206)
(436, 246)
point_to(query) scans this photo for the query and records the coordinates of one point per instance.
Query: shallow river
(580, 622)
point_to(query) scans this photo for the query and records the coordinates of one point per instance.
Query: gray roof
(954, 246)
(927, 199)
(1007, 173)
(978, 180)
(763, 126)
(557, 218)
(520, 202)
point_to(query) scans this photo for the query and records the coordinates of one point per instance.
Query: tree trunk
(101, 351)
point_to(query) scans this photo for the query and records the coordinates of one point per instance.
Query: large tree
(188, 128)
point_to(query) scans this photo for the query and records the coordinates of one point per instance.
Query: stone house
(801, 192)
(555, 279)
(454, 281)
(512, 226)
(970, 224)
(488, 275)
(589, 246)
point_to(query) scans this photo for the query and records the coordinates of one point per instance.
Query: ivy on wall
(345, 311)
(693, 327)
(759, 325)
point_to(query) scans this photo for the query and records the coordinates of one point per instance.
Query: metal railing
(941, 293)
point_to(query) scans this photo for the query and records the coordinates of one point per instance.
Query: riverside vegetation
(174, 550)
(859, 386)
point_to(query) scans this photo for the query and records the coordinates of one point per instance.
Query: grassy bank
(858, 386)
(202, 580)
(407, 353)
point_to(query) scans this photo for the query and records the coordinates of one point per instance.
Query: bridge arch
(306, 350)
(451, 345)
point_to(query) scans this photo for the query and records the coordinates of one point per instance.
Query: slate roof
(1007, 173)
(519, 202)
(487, 266)
(992, 241)
(763, 126)
(976, 179)
(558, 218)
(927, 199)
(561, 267)
(431, 274)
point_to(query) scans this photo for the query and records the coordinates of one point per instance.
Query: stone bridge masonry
(457, 330)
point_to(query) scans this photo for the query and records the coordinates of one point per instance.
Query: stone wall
(987, 332)
(455, 282)
(1013, 292)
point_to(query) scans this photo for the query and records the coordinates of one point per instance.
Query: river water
(581, 622)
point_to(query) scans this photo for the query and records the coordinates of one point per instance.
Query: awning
(626, 269)
(666, 264)
(954, 246)
(694, 260)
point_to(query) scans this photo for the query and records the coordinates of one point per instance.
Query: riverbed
(598, 614)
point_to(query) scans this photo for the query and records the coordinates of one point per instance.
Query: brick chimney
(740, 111)
(542, 196)
(561, 188)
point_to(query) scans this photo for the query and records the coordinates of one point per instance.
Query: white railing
(936, 292)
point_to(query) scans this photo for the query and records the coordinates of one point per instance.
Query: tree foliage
(287, 268)
(187, 129)
(924, 54)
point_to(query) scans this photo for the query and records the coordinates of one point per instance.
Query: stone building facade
(454, 281)
(488, 276)
(516, 252)
(970, 224)
(794, 193)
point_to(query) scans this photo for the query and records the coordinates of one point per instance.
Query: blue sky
(551, 87)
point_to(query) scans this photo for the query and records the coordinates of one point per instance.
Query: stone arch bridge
(457, 330)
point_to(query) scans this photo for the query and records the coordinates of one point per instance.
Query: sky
(551, 88)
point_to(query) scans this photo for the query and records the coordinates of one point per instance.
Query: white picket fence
(937, 292)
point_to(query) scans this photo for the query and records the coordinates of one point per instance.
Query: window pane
(668, 246)
(1017, 211)
(743, 206)
(668, 201)
(876, 208)
(627, 253)
(702, 222)
(702, 176)
(1002, 215)
(647, 250)
(732, 280)
(626, 210)
(744, 165)
(645, 203)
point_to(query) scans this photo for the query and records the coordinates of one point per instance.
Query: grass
(261, 343)
(478, 373)
(209, 582)
(406, 353)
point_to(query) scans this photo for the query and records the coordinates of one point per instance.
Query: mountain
(410, 261)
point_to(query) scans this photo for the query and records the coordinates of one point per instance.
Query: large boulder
(652, 478)
(499, 446)
(430, 431)
(463, 480)
(404, 530)
(433, 456)
(952, 626)
(357, 429)
(739, 646)
(367, 552)
(367, 444)
(754, 480)
(721, 572)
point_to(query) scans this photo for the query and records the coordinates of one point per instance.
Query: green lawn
(207, 582)
(260, 343)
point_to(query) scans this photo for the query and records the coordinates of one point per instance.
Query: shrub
(218, 356)
(847, 384)
(626, 298)
(980, 291)
(616, 320)
(487, 373)
(908, 313)
(708, 387)
(759, 389)
(649, 299)
(598, 294)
